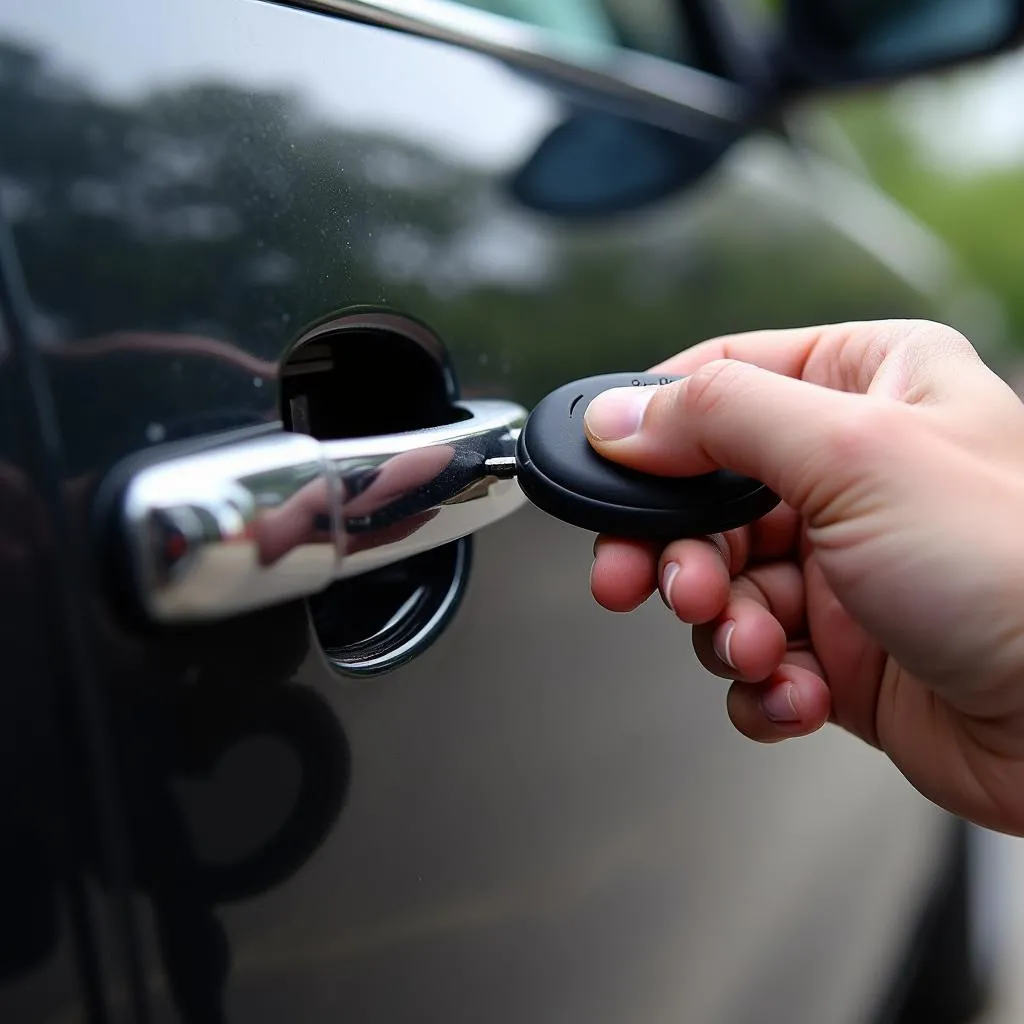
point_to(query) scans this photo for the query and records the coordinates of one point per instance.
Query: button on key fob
(561, 473)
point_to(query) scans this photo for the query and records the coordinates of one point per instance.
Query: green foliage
(979, 213)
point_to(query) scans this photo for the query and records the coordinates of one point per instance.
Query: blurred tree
(978, 212)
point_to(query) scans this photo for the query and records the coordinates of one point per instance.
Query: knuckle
(704, 390)
(748, 587)
(931, 341)
(931, 332)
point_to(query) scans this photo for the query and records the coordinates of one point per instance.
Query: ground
(1007, 857)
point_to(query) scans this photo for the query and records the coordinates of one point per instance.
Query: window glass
(651, 26)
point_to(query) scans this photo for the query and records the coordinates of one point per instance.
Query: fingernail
(779, 703)
(722, 642)
(668, 574)
(617, 413)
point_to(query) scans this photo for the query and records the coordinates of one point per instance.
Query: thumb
(789, 434)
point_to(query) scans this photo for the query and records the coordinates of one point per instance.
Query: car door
(450, 788)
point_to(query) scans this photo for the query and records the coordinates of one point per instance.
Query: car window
(760, 12)
(651, 26)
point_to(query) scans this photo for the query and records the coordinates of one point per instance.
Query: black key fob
(561, 473)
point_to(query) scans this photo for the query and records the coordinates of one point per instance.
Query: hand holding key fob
(561, 473)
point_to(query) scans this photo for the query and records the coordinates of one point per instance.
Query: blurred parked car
(446, 787)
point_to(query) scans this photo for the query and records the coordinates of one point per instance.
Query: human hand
(886, 593)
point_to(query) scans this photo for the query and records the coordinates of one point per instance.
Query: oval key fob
(561, 473)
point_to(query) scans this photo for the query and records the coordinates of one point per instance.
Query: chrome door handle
(277, 517)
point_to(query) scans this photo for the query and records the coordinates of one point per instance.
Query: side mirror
(596, 164)
(849, 42)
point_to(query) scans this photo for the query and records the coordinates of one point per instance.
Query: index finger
(844, 357)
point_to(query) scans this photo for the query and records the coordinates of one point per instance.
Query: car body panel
(546, 815)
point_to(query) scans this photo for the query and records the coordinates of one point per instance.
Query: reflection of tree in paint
(240, 215)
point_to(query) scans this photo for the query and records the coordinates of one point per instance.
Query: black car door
(449, 787)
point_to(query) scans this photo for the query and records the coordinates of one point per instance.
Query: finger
(774, 536)
(624, 574)
(750, 637)
(718, 417)
(791, 702)
(694, 575)
(844, 356)
(746, 642)
(779, 587)
(788, 352)
(806, 659)
(630, 580)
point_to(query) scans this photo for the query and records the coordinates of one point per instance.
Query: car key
(561, 473)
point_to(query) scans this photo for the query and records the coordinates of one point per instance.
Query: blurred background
(155, 169)
(950, 150)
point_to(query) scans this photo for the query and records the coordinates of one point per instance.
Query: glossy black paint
(207, 824)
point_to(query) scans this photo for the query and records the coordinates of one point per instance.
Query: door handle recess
(277, 517)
